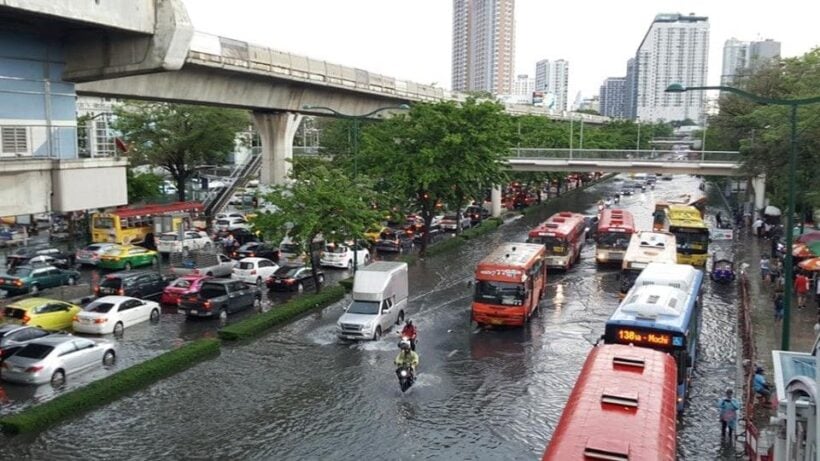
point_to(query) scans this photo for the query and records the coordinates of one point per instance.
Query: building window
(14, 140)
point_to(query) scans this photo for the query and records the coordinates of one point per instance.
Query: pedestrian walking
(719, 220)
(801, 288)
(729, 407)
(757, 227)
(764, 268)
(779, 307)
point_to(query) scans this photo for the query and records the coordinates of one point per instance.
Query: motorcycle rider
(608, 202)
(407, 358)
(409, 332)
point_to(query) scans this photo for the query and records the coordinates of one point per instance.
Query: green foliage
(258, 324)
(438, 153)
(319, 202)
(347, 284)
(178, 137)
(142, 187)
(106, 390)
(762, 133)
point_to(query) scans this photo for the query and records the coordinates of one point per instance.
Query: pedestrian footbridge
(705, 163)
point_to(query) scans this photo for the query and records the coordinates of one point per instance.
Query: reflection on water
(299, 393)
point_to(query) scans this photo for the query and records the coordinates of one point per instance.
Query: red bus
(563, 236)
(623, 407)
(509, 282)
(615, 229)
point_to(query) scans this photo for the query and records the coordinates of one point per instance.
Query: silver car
(90, 255)
(52, 358)
(14, 337)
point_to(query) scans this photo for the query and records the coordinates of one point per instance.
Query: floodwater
(299, 393)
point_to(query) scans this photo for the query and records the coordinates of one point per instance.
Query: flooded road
(298, 393)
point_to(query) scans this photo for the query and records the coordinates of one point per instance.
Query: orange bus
(563, 236)
(509, 282)
(615, 229)
(621, 408)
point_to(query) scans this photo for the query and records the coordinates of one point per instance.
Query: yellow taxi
(48, 314)
(373, 232)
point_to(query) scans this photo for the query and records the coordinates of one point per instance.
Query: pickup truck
(215, 265)
(218, 298)
(192, 240)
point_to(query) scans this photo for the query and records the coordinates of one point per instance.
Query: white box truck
(379, 301)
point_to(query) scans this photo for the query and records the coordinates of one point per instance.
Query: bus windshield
(553, 245)
(103, 222)
(691, 241)
(502, 293)
(616, 240)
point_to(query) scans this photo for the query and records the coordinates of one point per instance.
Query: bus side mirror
(688, 361)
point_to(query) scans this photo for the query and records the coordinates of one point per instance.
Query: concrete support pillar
(495, 202)
(276, 130)
(759, 186)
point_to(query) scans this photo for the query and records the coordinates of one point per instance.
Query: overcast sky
(411, 39)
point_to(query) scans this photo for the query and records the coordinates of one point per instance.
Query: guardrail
(211, 49)
(631, 155)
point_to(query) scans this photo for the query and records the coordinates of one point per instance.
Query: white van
(379, 301)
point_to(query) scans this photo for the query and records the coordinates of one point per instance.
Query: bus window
(553, 245)
(103, 222)
(503, 293)
(613, 240)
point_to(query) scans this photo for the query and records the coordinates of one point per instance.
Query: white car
(231, 223)
(192, 240)
(450, 223)
(336, 255)
(254, 270)
(111, 314)
(231, 214)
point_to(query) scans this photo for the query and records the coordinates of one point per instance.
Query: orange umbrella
(812, 264)
(800, 250)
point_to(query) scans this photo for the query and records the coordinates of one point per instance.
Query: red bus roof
(616, 220)
(509, 261)
(623, 407)
(159, 209)
(560, 224)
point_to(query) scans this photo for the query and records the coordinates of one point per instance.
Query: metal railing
(627, 155)
(215, 202)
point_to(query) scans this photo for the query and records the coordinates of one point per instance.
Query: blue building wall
(32, 94)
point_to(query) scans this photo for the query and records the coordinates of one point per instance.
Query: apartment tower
(483, 46)
(675, 49)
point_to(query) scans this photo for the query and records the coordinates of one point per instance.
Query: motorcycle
(406, 377)
(617, 199)
(410, 339)
(608, 203)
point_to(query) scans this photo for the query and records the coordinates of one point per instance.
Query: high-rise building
(523, 86)
(613, 97)
(735, 57)
(552, 77)
(675, 49)
(631, 90)
(742, 58)
(483, 45)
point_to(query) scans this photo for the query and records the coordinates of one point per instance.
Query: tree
(178, 137)
(762, 133)
(142, 187)
(438, 153)
(320, 202)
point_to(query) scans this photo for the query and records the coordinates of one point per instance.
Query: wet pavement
(299, 393)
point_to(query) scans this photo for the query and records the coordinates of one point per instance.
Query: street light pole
(354, 141)
(792, 104)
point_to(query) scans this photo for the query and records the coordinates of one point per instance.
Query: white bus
(646, 247)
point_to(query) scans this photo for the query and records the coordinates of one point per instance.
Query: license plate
(496, 321)
(194, 311)
(85, 320)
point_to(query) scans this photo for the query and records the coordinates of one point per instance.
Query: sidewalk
(766, 332)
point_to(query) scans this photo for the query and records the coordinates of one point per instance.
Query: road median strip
(110, 388)
(259, 324)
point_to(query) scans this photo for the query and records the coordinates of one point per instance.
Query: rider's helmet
(404, 345)
(758, 370)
